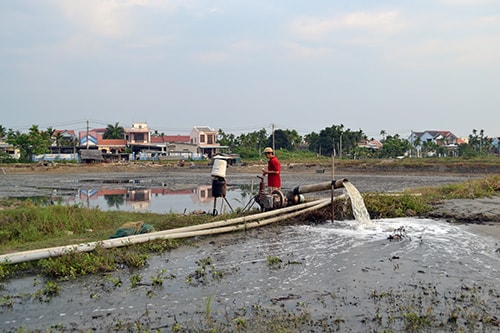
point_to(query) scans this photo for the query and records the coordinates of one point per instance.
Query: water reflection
(158, 199)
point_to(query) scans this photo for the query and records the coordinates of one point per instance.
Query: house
(138, 134)
(64, 134)
(9, 149)
(370, 144)
(138, 137)
(495, 142)
(441, 138)
(64, 139)
(89, 138)
(91, 156)
(167, 143)
(142, 145)
(205, 138)
(444, 140)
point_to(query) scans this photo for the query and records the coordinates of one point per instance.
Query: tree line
(334, 140)
(338, 141)
(37, 141)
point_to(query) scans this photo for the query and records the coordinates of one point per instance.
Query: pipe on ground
(240, 223)
(339, 183)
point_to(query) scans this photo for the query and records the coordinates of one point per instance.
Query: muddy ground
(27, 180)
(439, 256)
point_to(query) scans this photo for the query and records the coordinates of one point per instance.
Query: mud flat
(31, 180)
(333, 276)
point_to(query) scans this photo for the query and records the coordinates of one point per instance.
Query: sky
(241, 66)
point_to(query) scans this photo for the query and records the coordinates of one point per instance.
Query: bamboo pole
(333, 187)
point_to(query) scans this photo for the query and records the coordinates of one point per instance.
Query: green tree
(286, 139)
(3, 132)
(250, 145)
(114, 132)
(467, 151)
(59, 140)
(155, 133)
(383, 133)
(334, 139)
(394, 146)
(228, 140)
(33, 143)
(281, 140)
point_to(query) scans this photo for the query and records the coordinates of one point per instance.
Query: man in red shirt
(273, 170)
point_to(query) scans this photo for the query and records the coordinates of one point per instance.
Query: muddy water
(354, 277)
(163, 192)
(331, 270)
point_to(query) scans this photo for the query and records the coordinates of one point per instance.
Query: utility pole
(333, 188)
(272, 128)
(87, 134)
(340, 148)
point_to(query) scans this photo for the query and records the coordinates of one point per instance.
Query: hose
(231, 225)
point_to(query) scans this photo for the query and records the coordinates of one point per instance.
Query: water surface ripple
(335, 270)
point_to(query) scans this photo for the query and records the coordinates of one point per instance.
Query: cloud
(438, 53)
(309, 52)
(110, 18)
(372, 23)
(103, 18)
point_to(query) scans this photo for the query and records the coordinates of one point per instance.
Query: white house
(206, 140)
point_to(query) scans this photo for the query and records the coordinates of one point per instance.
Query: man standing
(273, 170)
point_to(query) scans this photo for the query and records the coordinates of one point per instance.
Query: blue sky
(242, 66)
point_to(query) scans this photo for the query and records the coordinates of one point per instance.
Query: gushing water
(338, 270)
(358, 205)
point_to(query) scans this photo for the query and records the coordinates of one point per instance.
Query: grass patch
(419, 201)
(27, 226)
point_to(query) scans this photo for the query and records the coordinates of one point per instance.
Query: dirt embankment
(342, 166)
(479, 210)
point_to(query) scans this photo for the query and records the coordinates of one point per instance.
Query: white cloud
(478, 51)
(303, 52)
(109, 18)
(372, 23)
(489, 20)
(104, 18)
(483, 51)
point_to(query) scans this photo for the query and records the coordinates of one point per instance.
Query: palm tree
(3, 132)
(383, 133)
(59, 139)
(114, 132)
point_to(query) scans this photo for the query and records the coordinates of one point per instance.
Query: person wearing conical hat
(273, 170)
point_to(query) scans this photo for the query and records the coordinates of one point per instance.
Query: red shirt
(274, 179)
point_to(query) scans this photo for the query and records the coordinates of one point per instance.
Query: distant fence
(55, 157)
(170, 156)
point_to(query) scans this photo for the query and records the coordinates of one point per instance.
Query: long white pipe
(184, 232)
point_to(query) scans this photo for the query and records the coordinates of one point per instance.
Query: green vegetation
(114, 132)
(344, 143)
(418, 201)
(26, 225)
(334, 140)
(33, 142)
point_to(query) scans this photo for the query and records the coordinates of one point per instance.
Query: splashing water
(358, 205)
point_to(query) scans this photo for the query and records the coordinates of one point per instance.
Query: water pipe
(241, 223)
(339, 183)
